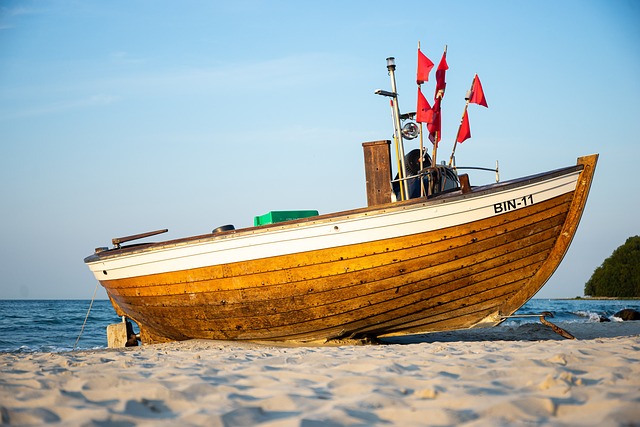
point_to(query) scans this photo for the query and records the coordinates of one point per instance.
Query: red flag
(464, 132)
(440, 74)
(435, 124)
(477, 94)
(424, 113)
(424, 68)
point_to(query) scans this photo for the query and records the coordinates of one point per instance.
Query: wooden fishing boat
(461, 259)
(454, 257)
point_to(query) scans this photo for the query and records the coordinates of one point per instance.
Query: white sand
(497, 377)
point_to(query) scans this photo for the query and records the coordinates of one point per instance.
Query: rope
(87, 316)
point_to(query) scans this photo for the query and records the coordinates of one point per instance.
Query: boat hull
(453, 262)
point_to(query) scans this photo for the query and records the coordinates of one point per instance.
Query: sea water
(55, 325)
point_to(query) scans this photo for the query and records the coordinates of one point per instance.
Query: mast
(396, 146)
(397, 131)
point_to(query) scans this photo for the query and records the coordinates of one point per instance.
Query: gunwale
(403, 252)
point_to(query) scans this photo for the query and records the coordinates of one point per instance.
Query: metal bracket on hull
(118, 240)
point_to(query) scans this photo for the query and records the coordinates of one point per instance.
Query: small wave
(590, 315)
(43, 349)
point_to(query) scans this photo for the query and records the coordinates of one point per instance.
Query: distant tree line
(619, 275)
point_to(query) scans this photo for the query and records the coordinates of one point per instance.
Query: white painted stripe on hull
(335, 232)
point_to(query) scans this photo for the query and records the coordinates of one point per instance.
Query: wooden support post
(121, 335)
(377, 168)
(117, 335)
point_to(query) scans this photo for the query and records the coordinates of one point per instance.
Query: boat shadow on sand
(529, 332)
(524, 332)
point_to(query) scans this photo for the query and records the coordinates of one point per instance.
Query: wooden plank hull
(457, 261)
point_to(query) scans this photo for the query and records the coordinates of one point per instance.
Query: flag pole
(422, 192)
(434, 152)
(397, 148)
(466, 106)
(455, 142)
(440, 95)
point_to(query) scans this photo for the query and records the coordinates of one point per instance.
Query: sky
(122, 117)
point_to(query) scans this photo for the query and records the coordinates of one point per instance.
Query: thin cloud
(8, 13)
(268, 75)
(93, 101)
(274, 75)
(17, 11)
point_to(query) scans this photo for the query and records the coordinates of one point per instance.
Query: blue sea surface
(54, 325)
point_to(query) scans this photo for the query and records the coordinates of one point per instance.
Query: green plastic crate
(280, 216)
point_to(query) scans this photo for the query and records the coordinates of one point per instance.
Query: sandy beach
(524, 375)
